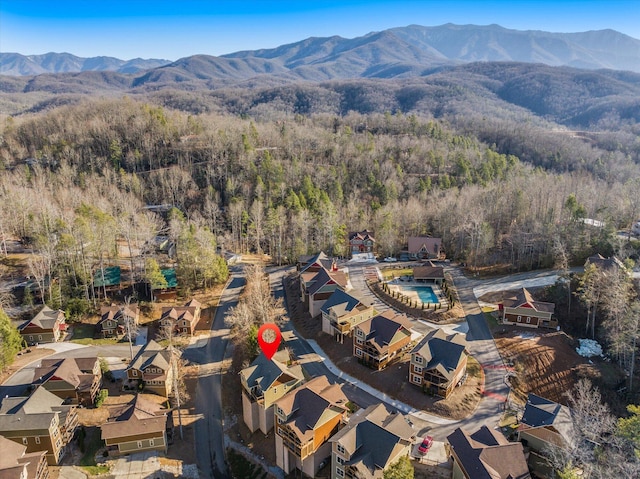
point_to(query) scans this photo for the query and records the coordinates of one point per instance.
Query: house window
(417, 369)
(339, 471)
(184, 330)
(134, 372)
(339, 460)
(39, 337)
(37, 439)
(30, 338)
(528, 319)
(359, 333)
(151, 442)
(340, 448)
(417, 359)
(358, 341)
(359, 352)
(519, 319)
(139, 444)
(24, 441)
(416, 379)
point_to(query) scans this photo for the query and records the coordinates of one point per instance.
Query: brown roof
(47, 318)
(416, 243)
(523, 298)
(486, 454)
(307, 404)
(189, 311)
(11, 452)
(69, 370)
(428, 271)
(140, 416)
(380, 330)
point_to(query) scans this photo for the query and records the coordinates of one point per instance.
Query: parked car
(390, 259)
(426, 445)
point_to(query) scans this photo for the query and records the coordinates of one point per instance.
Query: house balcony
(342, 328)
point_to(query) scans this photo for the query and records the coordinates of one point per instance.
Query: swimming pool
(425, 293)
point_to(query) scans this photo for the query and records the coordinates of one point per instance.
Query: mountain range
(578, 79)
(396, 52)
(15, 64)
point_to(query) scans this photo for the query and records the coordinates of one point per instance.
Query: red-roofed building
(524, 310)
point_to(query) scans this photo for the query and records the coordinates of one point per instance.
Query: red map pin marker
(269, 339)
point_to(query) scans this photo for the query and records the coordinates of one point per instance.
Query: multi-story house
(153, 367)
(438, 362)
(485, 454)
(141, 425)
(362, 242)
(46, 327)
(342, 312)
(114, 319)
(544, 425)
(263, 383)
(374, 439)
(181, 319)
(318, 287)
(305, 420)
(40, 422)
(424, 247)
(524, 310)
(378, 340)
(75, 380)
(16, 463)
(314, 263)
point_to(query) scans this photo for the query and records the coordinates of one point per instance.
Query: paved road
(209, 430)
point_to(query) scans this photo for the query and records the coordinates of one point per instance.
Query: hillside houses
(16, 463)
(263, 383)
(319, 278)
(74, 380)
(305, 420)
(485, 454)
(523, 310)
(141, 425)
(438, 363)
(181, 320)
(114, 319)
(342, 312)
(153, 368)
(41, 422)
(374, 439)
(380, 339)
(48, 326)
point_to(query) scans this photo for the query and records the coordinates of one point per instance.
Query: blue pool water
(425, 293)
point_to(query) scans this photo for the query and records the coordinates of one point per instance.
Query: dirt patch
(545, 364)
(23, 358)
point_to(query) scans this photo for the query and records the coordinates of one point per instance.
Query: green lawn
(92, 443)
(391, 273)
(83, 334)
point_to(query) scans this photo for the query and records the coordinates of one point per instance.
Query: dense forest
(298, 185)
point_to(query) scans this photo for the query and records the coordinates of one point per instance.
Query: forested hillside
(296, 186)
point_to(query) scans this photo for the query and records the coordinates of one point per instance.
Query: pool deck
(398, 285)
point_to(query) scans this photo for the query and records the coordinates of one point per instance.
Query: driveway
(142, 465)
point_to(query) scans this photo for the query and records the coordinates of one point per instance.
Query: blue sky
(179, 28)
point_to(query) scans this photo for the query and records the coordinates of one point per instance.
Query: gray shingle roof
(45, 319)
(34, 412)
(486, 454)
(264, 372)
(374, 437)
(151, 354)
(341, 301)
